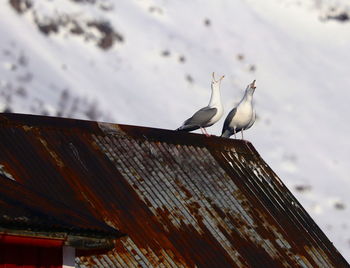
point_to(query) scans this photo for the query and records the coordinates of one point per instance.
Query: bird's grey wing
(201, 117)
(228, 119)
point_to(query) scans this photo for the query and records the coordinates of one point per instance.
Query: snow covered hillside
(149, 63)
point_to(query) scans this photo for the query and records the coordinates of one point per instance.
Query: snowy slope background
(149, 63)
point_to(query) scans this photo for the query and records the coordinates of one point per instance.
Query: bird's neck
(215, 99)
(247, 98)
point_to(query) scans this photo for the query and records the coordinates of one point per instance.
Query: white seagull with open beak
(242, 116)
(208, 115)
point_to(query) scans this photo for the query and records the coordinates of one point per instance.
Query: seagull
(208, 115)
(242, 116)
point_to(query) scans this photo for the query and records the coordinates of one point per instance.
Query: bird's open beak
(252, 85)
(218, 79)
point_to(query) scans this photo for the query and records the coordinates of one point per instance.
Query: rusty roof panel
(184, 200)
(23, 209)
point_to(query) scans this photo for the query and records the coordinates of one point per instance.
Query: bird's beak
(218, 79)
(252, 85)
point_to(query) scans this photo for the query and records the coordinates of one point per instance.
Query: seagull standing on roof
(242, 116)
(208, 115)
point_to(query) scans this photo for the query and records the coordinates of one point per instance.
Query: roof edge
(28, 121)
(77, 241)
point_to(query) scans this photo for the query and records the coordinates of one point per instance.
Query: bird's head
(251, 87)
(215, 83)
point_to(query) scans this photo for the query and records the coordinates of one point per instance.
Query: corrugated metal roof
(24, 211)
(184, 200)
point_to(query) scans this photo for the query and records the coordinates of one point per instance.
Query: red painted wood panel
(32, 241)
(27, 256)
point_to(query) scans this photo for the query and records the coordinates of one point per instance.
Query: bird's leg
(234, 132)
(242, 134)
(202, 130)
(206, 133)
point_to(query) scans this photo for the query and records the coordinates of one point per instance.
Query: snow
(160, 74)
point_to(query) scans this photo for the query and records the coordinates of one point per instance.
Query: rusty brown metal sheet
(183, 200)
(24, 211)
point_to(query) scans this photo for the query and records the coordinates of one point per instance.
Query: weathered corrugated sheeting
(184, 200)
(24, 211)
